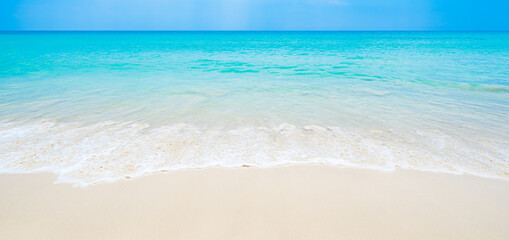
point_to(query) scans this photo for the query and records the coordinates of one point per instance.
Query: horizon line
(169, 30)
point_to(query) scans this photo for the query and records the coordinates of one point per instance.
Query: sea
(97, 107)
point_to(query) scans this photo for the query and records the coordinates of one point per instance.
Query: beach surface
(295, 202)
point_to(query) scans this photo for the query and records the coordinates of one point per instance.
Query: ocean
(102, 106)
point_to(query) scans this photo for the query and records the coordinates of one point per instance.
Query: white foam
(108, 151)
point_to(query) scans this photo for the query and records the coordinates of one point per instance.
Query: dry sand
(298, 202)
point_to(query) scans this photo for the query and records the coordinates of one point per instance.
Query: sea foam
(83, 154)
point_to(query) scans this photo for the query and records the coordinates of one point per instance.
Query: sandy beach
(297, 202)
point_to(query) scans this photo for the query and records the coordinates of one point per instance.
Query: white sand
(300, 202)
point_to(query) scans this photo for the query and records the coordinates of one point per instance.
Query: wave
(485, 87)
(84, 154)
(466, 86)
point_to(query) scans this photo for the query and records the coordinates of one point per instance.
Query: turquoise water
(100, 106)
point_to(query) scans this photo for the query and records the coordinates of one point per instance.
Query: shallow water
(99, 106)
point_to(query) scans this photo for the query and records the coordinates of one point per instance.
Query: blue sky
(254, 15)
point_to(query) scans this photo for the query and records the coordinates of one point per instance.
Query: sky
(441, 15)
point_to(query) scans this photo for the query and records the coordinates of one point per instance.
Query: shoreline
(74, 184)
(297, 202)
